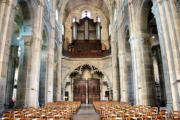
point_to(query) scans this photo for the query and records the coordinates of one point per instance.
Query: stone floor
(86, 112)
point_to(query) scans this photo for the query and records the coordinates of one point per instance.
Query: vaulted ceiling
(95, 3)
(70, 5)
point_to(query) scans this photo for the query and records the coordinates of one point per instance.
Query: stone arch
(63, 5)
(81, 64)
(30, 11)
(78, 69)
(21, 40)
(150, 33)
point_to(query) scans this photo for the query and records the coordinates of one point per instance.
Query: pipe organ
(86, 39)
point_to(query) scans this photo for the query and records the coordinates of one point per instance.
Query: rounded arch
(24, 18)
(27, 9)
(144, 15)
(143, 9)
(149, 32)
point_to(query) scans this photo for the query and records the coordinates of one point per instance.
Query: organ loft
(89, 59)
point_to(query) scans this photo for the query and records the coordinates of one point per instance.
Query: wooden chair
(175, 115)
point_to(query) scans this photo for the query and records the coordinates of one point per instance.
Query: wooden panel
(80, 90)
(86, 45)
(93, 90)
(87, 54)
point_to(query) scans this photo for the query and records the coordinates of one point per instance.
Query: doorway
(86, 91)
(80, 90)
(93, 90)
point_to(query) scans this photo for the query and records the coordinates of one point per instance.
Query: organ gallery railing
(87, 54)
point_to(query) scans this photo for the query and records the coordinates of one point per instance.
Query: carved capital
(132, 39)
(53, 28)
(145, 40)
(9, 2)
(130, 2)
(5, 2)
(40, 3)
(27, 40)
(14, 4)
(35, 38)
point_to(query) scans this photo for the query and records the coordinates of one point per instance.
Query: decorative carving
(27, 40)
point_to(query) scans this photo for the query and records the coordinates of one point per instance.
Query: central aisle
(86, 112)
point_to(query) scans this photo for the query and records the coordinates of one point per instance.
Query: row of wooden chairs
(109, 110)
(49, 111)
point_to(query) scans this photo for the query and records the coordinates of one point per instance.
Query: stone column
(72, 87)
(59, 84)
(141, 63)
(122, 67)
(59, 70)
(10, 74)
(3, 4)
(115, 66)
(5, 18)
(101, 89)
(49, 94)
(174, 32)
(169, 45)
(142, 71)
(31, 98)
(137, 72)
(176, 20)
(23, 71)
(5, 42)
(87, 100)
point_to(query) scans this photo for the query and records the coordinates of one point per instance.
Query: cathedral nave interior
(68, 57)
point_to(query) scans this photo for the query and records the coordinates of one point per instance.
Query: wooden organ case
(86, 40)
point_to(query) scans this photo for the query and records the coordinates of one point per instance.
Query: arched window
(98, 19)
(50, 3)
(109, 29)
(115, 15)
(62, 29)
(57, 15)
(86, 13)
(74, 19)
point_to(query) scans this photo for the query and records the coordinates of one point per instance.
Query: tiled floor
(86, 112)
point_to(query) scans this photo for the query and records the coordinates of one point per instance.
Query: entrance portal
(93, 90)
(86, 90)
(80, 90)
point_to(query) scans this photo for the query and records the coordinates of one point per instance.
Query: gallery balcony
(87, 54)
